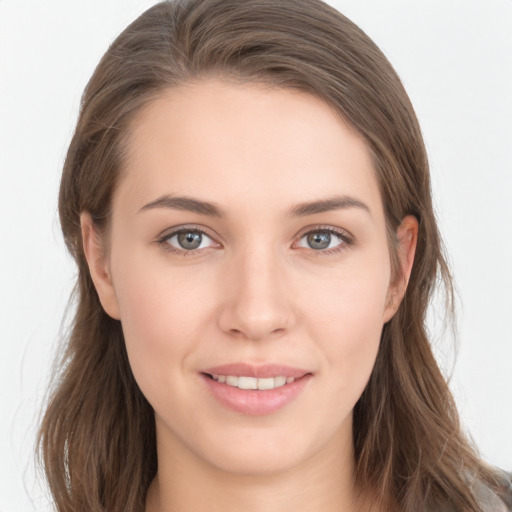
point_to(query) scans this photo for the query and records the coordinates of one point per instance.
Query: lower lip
(253, 402)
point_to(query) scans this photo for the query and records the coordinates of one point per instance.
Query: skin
(255, 291)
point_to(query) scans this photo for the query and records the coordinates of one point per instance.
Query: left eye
(320, 240)
(189, 240)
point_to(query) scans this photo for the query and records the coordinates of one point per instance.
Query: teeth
(247, 383)
(281, 381)
(232, 381)
(262, 384)
(269, 383)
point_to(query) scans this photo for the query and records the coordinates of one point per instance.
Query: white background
(455, 58)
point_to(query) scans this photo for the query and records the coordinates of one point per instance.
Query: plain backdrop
(455, 59)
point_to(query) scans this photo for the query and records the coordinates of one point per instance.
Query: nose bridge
(257, 301)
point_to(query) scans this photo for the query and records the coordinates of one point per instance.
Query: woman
(248, 202)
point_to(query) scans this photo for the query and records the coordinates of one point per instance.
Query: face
(248, 263)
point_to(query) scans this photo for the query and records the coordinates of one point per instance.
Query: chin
(270, 449)
(259, 459)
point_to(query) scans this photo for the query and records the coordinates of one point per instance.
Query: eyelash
(346, 240)
(163, 241)
(345, 237)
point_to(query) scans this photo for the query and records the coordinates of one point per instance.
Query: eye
(324, 240)
(187, 240)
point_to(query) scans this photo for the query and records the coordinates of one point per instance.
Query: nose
(256, 301)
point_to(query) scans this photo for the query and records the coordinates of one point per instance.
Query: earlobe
(407, 237)
(97, 261)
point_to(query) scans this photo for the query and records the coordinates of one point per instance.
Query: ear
(99, 268)
(407, 237)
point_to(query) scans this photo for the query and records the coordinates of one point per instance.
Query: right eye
(186, 241)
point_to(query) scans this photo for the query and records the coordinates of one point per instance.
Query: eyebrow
(327, 205)
(213, 210)
(187, 204)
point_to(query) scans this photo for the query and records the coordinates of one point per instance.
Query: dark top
(500, 501)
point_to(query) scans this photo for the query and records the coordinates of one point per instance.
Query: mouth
(246, 382)
(255, 390)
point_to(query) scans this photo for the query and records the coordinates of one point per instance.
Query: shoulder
(495, 500)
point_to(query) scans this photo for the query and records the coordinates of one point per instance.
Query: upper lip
(258, 371)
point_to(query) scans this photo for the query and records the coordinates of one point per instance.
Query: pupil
(319, 240)
(190, 240)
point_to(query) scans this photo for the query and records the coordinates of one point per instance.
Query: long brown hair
(97, 439)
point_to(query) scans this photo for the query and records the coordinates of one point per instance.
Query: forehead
(245, 143)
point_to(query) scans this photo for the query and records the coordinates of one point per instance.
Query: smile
(255, 390)
(245, 382)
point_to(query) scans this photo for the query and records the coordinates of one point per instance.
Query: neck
(187, 483)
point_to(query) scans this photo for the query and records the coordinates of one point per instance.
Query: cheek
(160, 315)
(346, 318)
(350, 298)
